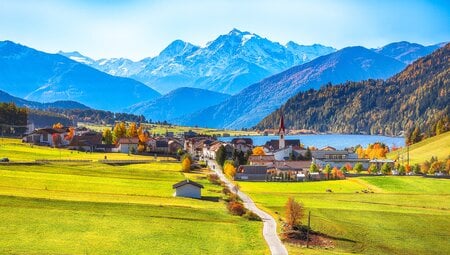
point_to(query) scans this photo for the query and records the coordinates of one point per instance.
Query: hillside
(7, 98)
(252, 104)
(436, 146)
(407, 52)
(95, 208)
(416, 96)
(43, 77)
(177, 103)
(228, 64)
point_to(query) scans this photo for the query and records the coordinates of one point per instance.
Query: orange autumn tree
(259, 151)
(377, 150)
(70, 135)
(143, 139)
(58, 125)
(132, 130)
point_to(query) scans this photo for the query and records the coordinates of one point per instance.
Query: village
(277, 160)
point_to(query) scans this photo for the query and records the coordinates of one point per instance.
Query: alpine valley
(233, 82)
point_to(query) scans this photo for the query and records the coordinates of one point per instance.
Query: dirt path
(270, 225)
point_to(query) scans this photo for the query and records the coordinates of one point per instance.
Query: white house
(126, 145)
(188, 188)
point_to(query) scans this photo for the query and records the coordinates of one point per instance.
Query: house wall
(188, 190)
(125, 148)
(250, 177)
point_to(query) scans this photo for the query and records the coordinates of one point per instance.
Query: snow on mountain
(182, 64)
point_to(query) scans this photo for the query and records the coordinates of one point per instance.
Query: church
(281, 148)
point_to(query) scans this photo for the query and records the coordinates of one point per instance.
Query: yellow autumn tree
(143, 139)
(229, 170)
(186, 165)
(132, 130)
(258, 151)
(119, 131)
(294, 213)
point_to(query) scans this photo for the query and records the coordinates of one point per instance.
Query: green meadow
(436, 146)
(94, 208)
(403, 215)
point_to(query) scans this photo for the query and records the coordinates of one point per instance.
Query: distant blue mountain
(407, 52)
(227, 64)
(180, 102)
(248, 107)
(43, 77)
(7, 98)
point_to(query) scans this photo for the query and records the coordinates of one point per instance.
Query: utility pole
(407, 153)
(307, 231)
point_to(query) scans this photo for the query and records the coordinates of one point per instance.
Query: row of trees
(13, 119)
(121, 130)
(373, 151)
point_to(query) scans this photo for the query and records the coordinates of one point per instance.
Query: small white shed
(188, 188)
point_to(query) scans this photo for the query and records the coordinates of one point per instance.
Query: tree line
(417, 97)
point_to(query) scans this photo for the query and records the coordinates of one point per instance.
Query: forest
(415, 99)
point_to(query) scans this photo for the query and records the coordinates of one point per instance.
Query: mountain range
(44, 77)
(7, 98)
(228, 64)
(252, 104)
(177, 103)
(418, 96)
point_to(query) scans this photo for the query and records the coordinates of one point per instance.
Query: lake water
(335, 140)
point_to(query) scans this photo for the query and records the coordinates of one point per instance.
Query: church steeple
(281, 132)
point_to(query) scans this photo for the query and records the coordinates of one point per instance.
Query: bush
(236, 208)
(214, 179)
(249, 215)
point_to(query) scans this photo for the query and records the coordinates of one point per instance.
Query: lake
(335, 140)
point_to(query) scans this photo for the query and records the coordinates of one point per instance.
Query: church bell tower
(281, 132)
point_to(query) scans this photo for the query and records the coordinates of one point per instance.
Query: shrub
(214, 179)
(236, 208)
(358, 167)
(249, 215)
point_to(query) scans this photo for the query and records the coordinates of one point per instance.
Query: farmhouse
(188, 188)
(48, 136)
(88, 141)
(126, 145)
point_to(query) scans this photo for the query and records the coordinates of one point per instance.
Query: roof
(247, 169)
(328, 148)
(162, 144)
(51, 131)
(322, 153)
(87, 139)
(281, 128)
(382, 161)
(254, 158)
(292, 165)
(274, 144)
(185, 182)
(247, 141)
(133, 140)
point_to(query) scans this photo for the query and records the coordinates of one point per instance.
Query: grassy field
(438, 146)
(93, 208)
(15, 150)
(162, 129)
(403, 215)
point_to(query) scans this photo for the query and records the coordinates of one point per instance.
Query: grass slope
(92, 208)
(404, 215)
(438, 146)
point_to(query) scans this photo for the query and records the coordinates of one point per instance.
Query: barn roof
(185, 182)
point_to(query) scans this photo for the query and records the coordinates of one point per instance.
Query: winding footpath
(270, 225)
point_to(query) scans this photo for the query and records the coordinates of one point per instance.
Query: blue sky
(137, 29)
